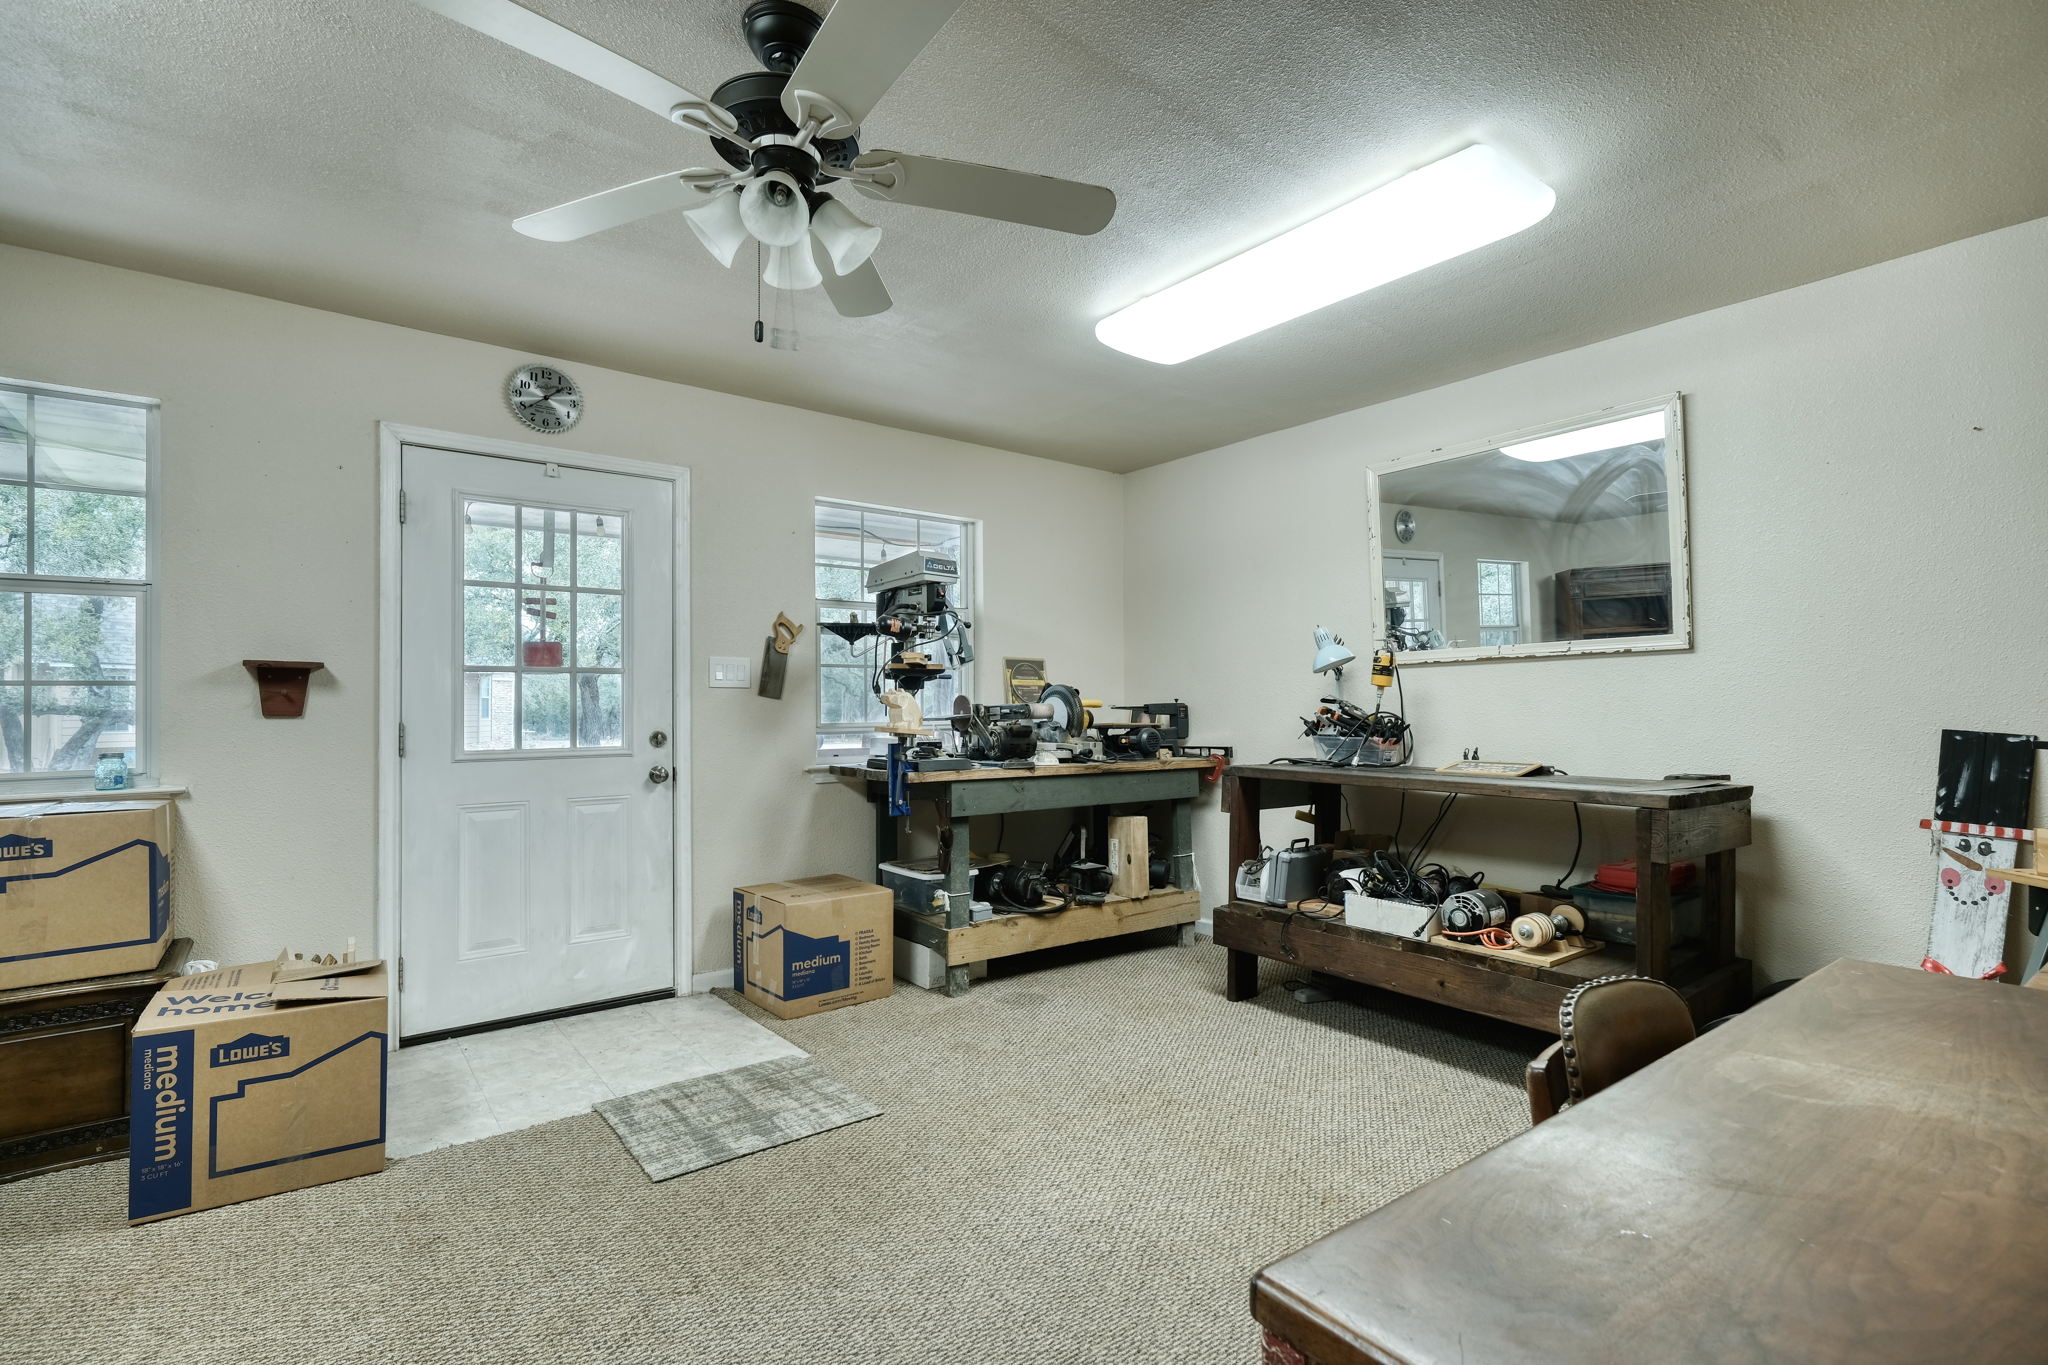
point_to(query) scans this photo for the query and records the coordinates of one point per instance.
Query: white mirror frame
(1680, 636)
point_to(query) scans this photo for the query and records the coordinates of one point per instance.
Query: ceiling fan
(789, 134)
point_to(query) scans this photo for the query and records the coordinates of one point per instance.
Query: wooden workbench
(966, 792)
(1675, 821)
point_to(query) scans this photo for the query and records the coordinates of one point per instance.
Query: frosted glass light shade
(774, 224)
(846, 237)
(717, 224)
(791, 267)
(1445, 209)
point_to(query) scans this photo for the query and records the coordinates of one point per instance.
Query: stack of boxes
(242, 1081)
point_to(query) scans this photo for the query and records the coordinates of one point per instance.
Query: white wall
(1869, 500)
(269, 550)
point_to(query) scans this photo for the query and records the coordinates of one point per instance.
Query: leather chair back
(1612, 1028)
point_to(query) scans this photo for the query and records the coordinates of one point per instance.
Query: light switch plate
(729, 672)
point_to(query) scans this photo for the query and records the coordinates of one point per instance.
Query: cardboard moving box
(85, 889)
(814, 944)
(247, 1081)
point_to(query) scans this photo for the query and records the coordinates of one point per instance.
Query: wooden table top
(1855, 1170)
(1652, 793)
(1149, 765)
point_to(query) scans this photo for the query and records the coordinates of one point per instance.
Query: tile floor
(462, 1089)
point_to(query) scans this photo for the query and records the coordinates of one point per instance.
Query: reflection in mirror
(1563, 538)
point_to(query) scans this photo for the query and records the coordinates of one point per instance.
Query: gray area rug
(685, 1126)
(1076, 1166)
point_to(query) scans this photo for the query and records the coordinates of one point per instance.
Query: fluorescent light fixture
(1607, 436)
(1446, 209)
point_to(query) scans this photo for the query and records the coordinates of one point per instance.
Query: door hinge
(401, 739)
(401, 973)
(401, 507)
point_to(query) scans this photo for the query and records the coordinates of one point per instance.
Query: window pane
(13, 435)
(13, 528)
(11, 626)
(544, 711)
(89, 535)
(544, 544)
(84, 444)
(13, 738)
(1496, 611)
(543, 624)
(597, 550)
(488, 708)
(840, 584)
(70, 727)
(844, 698)
(598, 720)
(940, 537)
(838, 535)
(83, 638)
(888, 535)
(489, 623)
(488, 537)
(598, 630)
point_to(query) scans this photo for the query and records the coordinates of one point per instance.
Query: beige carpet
(1084, 1163)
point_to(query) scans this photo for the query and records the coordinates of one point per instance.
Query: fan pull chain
(760, 332)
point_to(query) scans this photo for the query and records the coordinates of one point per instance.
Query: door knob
(657, 774)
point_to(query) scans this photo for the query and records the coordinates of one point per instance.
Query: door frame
(392, 438)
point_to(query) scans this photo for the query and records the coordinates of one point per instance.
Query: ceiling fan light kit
(787, 134)
(1445, 209)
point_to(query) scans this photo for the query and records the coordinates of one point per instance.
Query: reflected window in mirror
(1566, 539)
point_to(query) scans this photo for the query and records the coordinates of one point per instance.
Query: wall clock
(543, 398)
(1404, 526)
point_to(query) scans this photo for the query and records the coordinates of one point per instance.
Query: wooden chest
(64, 1067)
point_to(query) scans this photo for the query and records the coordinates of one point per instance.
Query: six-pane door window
(74, 577)
(849, 540)
(543, 628)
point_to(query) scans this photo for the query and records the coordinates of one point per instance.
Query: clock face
(544, 398)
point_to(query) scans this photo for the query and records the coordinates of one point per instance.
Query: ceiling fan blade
(626, 204)
(517, 26)
(858, 294)
(987, 192)
(857, 56)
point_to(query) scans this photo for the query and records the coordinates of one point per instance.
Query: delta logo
(14, 847)
(252, 1047)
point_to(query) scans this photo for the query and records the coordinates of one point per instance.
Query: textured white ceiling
(367, 156)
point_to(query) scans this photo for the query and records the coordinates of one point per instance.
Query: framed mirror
(1563, 539)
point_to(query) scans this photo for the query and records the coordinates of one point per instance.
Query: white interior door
(536, 700)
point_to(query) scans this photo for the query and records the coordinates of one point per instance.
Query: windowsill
(71, 790)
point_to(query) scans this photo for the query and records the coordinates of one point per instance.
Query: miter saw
(915, 614)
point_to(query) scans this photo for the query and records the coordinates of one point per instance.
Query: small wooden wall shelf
(281, 685)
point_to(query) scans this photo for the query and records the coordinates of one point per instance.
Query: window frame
(970, 573)
(142, 589)
(1520, 598)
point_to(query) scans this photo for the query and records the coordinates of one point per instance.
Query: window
(849, 539)
(543, 628)
(1500, 601)
(75, 560)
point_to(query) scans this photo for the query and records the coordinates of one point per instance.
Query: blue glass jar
(110, 774)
